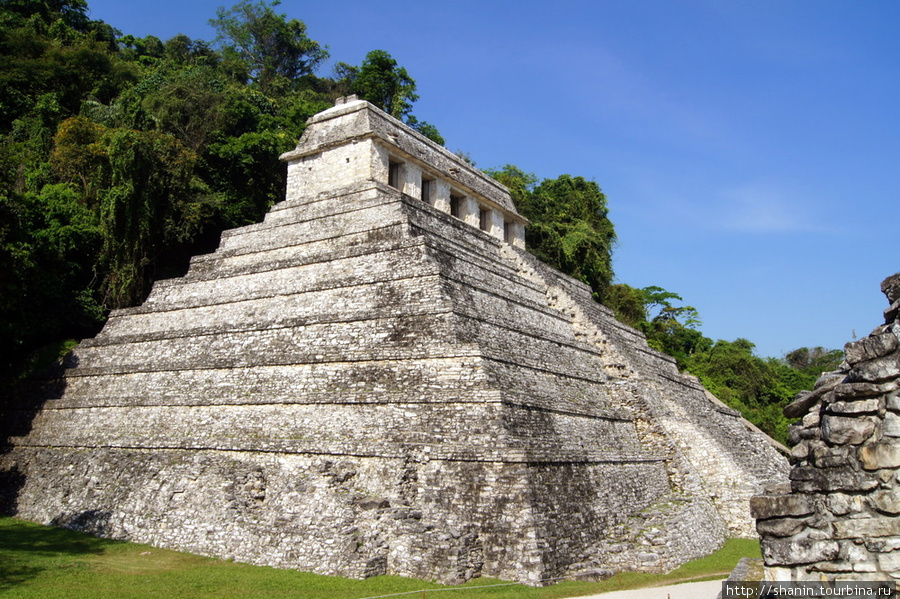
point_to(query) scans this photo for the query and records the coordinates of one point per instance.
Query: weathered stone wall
(364, 384)
(839, 519)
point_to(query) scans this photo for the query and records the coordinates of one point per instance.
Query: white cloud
(763, 209)
(754, 208)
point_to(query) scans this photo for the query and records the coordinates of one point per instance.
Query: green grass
(37, 562)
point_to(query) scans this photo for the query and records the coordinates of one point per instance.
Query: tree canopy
(264, 45)
(123, 156)
(570, 228)
(387, 85)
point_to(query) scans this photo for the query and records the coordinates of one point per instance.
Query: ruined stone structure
(840, 518)
(379, 379)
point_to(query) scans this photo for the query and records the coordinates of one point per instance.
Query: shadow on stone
(95, 522)
(20, 402)
(11, 481)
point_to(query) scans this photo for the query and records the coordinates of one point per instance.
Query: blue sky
(749, 150)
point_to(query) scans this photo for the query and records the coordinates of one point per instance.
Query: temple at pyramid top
(354, 141)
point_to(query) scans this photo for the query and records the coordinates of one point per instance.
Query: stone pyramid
(378, 379)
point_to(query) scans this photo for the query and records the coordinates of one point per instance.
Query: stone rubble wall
(732, 459)
(362, 384)
(839, 518)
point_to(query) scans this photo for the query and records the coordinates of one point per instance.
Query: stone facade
(379, 379)
(838, 520)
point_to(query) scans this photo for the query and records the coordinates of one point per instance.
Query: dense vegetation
(120, 157)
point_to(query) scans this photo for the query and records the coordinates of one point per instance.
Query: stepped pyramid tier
(379, 379)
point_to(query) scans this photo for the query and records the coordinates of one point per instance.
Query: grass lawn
(37, 562)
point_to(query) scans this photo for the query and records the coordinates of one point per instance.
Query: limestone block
(517, 232)
(802, 403)
(864, 528)
(780, 527)
(892, 401)
(777, 575)
(891, 425)
(889, 562)
(853, 552)
(794, 434)
(805, 400)
(879, 455)
(830, 567)
(440, 195)
(412, 180)
(890, 287)
(799, 451)
(824, 456)
(840, 430)
(878, 370)
(882, 545)
(840, 504)
(886, 500)
(773, 506)
(867, 406)
(891, 313)
(788, 552)
(870, 348)
(496, 224)
(811, 480)
(469, 211)
(853, 391)
(811, 419)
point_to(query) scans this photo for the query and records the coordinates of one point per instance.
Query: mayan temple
(379, 379)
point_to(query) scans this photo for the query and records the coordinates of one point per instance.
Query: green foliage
(426, 129)
(520, 184)
(387, 85)
(628, 303)
(48, 244)
(570, 228)
(147, 174)
(120, 157)
(384, 83)
(271, 50)
(51, 47)
(814, 361)
(669, 328)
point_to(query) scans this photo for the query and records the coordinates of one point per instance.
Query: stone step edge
(300, 204)
(302, 322)
(485, 352)
(618, 415)
(121, 339)
(511, 456)
(412, 244)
